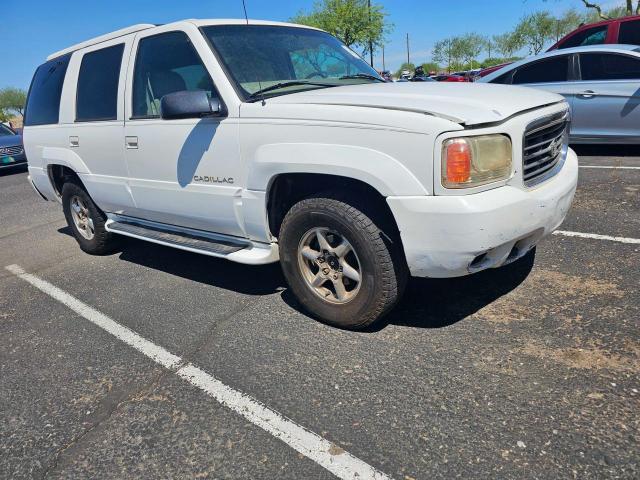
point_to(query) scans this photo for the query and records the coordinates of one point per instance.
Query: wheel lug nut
(325, 271)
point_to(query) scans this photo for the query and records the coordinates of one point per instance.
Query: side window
(166, 63)
(590, 36)
(43, 103)
(629, 32)
(603, 66)
(97, 95)
(505, 78)
(553, 69)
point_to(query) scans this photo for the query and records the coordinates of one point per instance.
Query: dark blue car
(11, 148)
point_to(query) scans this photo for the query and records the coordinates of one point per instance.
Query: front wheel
(339, 263)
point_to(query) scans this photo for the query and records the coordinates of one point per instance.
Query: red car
(449, 78)
(625, 30)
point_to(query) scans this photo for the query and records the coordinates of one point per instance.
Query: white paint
(613, 167)
(596, 236)
(337, 461)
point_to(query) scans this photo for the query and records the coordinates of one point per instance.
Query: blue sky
(35, 28)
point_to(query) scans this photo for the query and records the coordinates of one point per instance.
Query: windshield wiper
(361, 75)
(291, 83)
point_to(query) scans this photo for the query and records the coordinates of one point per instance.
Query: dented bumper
(450, 236)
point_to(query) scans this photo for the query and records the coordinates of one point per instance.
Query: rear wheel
(86, 220)
(339, 262)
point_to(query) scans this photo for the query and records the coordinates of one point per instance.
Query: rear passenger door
(99, 73)
(608, 102)
(183, 172)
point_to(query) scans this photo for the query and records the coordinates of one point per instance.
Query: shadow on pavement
(427, 303)
(607, 150)
(13, 170)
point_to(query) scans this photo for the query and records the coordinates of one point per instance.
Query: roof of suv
(145, 26)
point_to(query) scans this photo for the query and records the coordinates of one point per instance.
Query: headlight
(473, 161)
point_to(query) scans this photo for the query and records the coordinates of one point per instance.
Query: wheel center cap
(333, 262)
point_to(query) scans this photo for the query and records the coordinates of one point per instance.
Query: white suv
(262, 141)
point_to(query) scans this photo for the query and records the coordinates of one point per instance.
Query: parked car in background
(624, 30)
(600, 82)
(11, 148)
(449, 78)
(386, 75)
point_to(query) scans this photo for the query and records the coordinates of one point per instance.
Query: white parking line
(326, 454)
(596, 236)
(614, 167)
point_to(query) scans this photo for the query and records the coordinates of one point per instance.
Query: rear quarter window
(97, 95)
(43, 102)
(629, 32)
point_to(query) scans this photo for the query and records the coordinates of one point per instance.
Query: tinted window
(504, 78)
(5, 131)
(602, 66)
(630, 32)
(43, 104)
(590, 36)
(550, 70)
(166, 63)
(97, 96)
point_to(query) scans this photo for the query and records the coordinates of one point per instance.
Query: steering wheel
(316, 74)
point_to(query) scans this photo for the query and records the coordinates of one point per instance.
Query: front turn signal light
(475, 160)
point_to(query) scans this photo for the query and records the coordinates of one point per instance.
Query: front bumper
(451, 236)
(7, 161)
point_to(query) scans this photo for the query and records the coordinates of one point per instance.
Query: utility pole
(384, 67)
(370, 42)
(408, 57)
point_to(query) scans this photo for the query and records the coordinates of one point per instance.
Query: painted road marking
(595, 236)
(607, 166)
(326, 454)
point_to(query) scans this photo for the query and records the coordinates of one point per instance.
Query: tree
(430, 67)
(12, 100)
(442, 53)
(507, 43)
(405, 66)
(614, 12)
(535, 30)
(350, 20)
(471, 46)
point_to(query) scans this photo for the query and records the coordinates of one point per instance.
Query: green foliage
(430, 67)
(4, 116)
(12, 100)
(491, 61)
(349, 20)
(405, 66)
(535, 30)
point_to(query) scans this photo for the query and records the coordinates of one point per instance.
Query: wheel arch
(286, 189)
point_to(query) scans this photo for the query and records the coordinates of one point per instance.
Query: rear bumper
(451, 236)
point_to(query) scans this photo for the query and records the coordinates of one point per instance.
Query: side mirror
(189, 104)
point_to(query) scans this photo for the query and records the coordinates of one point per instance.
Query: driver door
(182, 172)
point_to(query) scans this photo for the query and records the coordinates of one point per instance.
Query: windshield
(5, 131)
(277, 60)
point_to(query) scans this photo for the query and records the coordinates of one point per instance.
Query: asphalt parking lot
(531, 371)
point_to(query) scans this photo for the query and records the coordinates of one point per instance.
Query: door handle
(74, 142)
(131, 142)
(587, 94)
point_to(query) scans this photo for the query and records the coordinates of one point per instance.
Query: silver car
(600, 82)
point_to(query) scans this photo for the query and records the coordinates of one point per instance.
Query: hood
(10, 140)
(463, 103)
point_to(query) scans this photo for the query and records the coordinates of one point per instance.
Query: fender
(381, 171)
(65, 157)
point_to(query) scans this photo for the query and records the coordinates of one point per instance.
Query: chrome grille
(11, 151)
(544, 147)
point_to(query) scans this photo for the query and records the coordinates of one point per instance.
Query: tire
(94, 238)
(376, 257)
